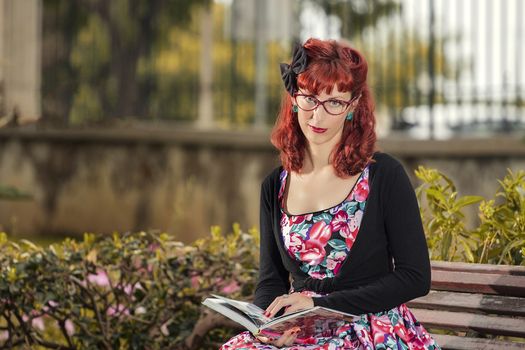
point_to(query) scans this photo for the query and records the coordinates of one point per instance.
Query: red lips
(317, 130)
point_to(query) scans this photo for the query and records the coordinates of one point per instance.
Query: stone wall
(182, 181)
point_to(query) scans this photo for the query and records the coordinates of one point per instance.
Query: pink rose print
(318, 275)
(349, 231)
(361, 191)
(285, 225)
(339, 220)
(334, 261)
(297, 219)
(313, 252)
(381, 328)
(293, 242)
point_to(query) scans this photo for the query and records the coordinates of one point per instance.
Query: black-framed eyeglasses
(332, 106)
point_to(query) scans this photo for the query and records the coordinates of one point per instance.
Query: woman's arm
(273, 277)
(411, 276)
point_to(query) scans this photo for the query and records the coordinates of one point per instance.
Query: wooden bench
(478, 302)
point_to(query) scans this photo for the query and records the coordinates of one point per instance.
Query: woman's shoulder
(273, 177)
(385, 160)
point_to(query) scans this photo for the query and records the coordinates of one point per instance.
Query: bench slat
(480, 268)
(451, 342)
(466, 302)
(464, 321)
(485, 283)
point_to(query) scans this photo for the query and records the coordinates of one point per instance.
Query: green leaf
(516, 244)
(467, 200)
(436, 195)
(337, 244)
(323, 217)
(445, 245)
(466, 248)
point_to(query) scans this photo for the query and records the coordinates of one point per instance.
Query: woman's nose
(318, 112)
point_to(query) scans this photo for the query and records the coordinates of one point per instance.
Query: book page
(254, 312)
(230, 311)
(317, 321)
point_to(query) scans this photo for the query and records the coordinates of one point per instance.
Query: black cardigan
(388, 264)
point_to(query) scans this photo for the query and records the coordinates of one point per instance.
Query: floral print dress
(321, 241)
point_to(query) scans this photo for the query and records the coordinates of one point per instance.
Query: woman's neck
(317, 158)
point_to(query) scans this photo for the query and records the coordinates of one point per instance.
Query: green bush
(500, 237)
(131, 291)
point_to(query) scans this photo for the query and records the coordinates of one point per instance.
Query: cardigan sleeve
(410, 277)
(273, 277)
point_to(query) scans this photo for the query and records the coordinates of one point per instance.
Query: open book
(316, 321)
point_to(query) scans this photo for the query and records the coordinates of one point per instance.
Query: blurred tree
(62, 20)
(356, 16)
(106, 42)
(109, 59)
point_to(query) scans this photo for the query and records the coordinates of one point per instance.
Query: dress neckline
(284, 193)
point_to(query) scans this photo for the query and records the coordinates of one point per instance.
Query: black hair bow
(289, 72)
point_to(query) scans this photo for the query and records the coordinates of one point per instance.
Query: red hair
(330, 63)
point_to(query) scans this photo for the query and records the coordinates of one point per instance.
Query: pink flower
(381, 324)
(129, 289)
(232, 287)
(339, 220)
(350, 230)
(313, 251)
(297, 219)
(100, 278)
(361, 191)
(38, 323)
(293, 242)
(334, 261)
(284, 221)
(333, 265)
(153, 246)
(355, 221)
(52, 304)
(4, 335)
(118, 310)
(164, 329)
(318, 275)
(70, 328)
(195, 281)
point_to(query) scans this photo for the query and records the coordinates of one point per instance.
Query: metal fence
(438, 68)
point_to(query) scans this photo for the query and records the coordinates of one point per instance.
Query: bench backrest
(475, 300)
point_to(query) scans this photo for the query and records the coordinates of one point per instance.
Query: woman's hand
(286, 339)
(292, 302)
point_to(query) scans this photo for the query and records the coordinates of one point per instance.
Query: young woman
(340, 223)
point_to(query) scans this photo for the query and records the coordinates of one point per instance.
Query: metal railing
(438, 68)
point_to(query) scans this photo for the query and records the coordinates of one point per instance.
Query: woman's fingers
(288, 337)
(277, 305)
(264, 339)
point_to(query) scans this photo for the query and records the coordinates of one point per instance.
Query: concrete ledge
(259, 139)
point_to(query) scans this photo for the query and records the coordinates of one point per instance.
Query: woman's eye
(309, 99)
(335, 103)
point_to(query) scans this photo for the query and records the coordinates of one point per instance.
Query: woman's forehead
(335, 93)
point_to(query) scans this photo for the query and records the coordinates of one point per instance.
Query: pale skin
(316, 187)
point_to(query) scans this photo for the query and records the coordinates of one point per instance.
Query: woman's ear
(354, 103)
